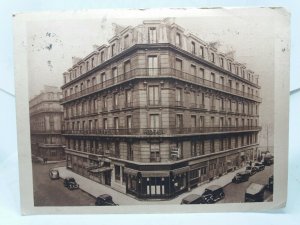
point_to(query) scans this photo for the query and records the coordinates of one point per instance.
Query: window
(128, 98)
(154, 121)
(201, 73)
(212, 77)
(115, 74)
(83, 125)
(116, 123)
(87, 66)
(178, 96)
(201, 51)
(152, 35)
(178, 64)
(193, 70)
(105, 103)
(154, 152)
(105, 125)
(221, 121)
(113, 49)
(212, 121)
(93, 81)
(229, 122)
(117, 173)
(80, 69)
(230, 66)
(90, 125)
(213, 57)
(179, 121)
(193, 148)
(222, 81)
(153, 95)
(95, 124)
(237, 70)
(212, 146)
(193, 47)
(193, 121)
(103, 77)
(129, 151)
(93, 63)
(178, 39)
(202, 121)
(129, 122)
(126, 41)
(102, 56)
(222, 62)
(230, 83)
(193, 97)
(236, 122)
(152, 65)
(126, 67)
(116, 100)
(76, 88)
(88, 83)
(236, 143)
(229, 142)
(81, 87)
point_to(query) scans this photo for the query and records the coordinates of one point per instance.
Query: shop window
(117, 173)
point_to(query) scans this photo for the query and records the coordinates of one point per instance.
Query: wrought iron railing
(159, 131)
(159, 72)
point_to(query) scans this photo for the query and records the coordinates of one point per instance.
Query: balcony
(154, 102)
(128, 104)
(165, 132)
(178, 103)
(45, 131)
(213, 108)
(159, 73)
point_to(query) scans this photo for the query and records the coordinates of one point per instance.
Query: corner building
(46, 116)
(157, 112)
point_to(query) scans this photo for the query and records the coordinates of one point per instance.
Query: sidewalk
(95, 189)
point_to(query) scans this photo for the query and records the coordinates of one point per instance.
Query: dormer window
(93, 63)
(102, 56)
(87, 65)
(213, 57)
(222, 62)
(237, 70)
(193, 47)
(230, 66)
(152, 35)
(201, 51)
(113, 49)
(178, 39)
(126, 41)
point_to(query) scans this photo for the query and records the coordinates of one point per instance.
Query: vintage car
(251, 169)
(212, 194)
(259, 166)
(53, 174)
(269, 186)
(104, 200)
(241, 177)
(191, 199)
(255, 193)
(70, 183)
(268, 160)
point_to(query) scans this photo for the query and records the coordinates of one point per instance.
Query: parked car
(241, 177)
(269, 186)
(104, 200)
(255, 193)
(191, 199)
(212, 194)
(53, 174)
(251, 169)
(268, 160)
(259, 166)
(70, 183)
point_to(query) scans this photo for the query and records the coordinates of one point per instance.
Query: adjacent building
(157, 111)
(46, 114)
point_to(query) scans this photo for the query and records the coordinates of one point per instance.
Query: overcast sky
(249, 32)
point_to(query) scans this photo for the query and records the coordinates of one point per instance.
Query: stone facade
(157, 112)
(46, 116)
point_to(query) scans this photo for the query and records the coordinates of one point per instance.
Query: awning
(100, 170)
(130, 171)
(155, 173)
(181, 170)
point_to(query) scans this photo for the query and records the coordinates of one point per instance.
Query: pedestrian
(46, 160)
(250, 163)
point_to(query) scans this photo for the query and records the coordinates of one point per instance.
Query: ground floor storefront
(158, 180)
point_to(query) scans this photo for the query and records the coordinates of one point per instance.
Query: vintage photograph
(154, 110)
